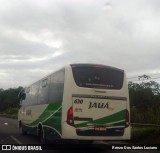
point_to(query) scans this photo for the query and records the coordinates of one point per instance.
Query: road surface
(10, 134)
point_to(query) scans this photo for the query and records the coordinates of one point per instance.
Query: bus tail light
(127, 118)
(70, 117)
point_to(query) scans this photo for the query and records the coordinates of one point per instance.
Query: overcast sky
(41, 36)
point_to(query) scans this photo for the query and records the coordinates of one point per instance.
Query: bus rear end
(95, 103)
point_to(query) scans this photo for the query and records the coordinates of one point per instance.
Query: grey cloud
(38, 37)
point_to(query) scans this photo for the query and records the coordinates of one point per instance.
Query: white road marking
(16, 140)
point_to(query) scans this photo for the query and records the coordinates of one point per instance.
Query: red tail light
(127, 118)
(70, 117)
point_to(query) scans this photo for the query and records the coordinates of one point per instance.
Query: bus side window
(28, 89)
(43, 91)
(56, 87)
(44, 83)
(34, 94)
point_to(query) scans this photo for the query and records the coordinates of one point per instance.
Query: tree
(8, 98)
(145, 101)
(144, 77)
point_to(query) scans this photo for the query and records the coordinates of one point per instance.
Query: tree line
(144, 100)
(9, 98)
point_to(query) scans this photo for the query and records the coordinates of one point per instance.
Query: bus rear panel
(95, 103)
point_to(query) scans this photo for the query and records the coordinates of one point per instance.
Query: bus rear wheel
(24, 132)
(22, 129)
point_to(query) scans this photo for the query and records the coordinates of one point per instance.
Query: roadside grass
(10, 113)
(149, 115)
(145, 135)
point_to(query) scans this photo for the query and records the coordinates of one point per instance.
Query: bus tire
(23, 131)
(19, 124)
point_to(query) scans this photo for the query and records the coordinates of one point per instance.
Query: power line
(145, 74)
(156, 78)
(150, 79)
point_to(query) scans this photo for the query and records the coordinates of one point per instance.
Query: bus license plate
(100, 128)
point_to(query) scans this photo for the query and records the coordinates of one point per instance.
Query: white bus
(78, 102)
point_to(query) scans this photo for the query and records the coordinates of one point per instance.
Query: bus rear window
(101, 77)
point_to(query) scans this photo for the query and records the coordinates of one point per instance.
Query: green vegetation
(9, 103)
(148, 115)
(145, 135)
(10, 113)
(145, 101)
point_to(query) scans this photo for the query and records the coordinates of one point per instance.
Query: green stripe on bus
(55, 120)
(119, 123)
(51, 108)
(106, 120)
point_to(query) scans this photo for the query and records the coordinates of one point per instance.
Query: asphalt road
(10, 134)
